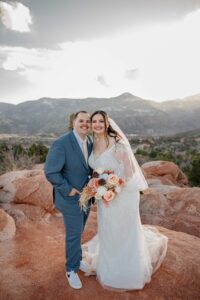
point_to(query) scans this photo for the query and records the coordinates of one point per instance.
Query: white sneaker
(84, 267)
(74, 280)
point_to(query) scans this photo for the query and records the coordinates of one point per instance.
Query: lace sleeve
(129, 165)
(122, 154)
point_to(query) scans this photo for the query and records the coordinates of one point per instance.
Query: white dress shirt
(81, 142)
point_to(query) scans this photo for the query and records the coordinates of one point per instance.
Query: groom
(67, 170)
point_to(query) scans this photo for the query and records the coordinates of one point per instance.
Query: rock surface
(7, 226)
(172, 207)
(26, 194)
(34, 267)
(166, 172)
(26, 187)
(32, 264)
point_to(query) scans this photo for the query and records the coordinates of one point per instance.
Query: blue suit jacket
(66, 168)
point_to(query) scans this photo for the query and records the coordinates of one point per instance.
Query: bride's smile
(98, 125)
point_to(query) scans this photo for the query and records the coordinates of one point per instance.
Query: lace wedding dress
(124, 254)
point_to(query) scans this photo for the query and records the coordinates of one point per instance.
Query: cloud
(80, 21)
(131, 74)
(159, 62)
(102, 81)
(18, 83)
(15, 16)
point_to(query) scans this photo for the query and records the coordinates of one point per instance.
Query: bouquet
(103, 185)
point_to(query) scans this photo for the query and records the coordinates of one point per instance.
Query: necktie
(85, 151)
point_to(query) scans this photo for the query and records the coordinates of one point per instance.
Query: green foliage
(39, 151)
(18, 150)
(141, 152)
(32, 150)
(162, 154)
(3, 147)
(17, 156)
(184, 151)
(194, 171)
(134, 141)
(153, 154)
(165, 155)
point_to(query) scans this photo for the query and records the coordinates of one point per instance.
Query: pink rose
(108, 196)
(113, 179)
(93, 184)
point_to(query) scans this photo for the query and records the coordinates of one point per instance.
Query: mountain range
(133, 114)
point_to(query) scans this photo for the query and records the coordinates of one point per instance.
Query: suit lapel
(77, 149)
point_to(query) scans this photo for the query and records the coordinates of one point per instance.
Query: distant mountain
(191, 133)
(133, 114)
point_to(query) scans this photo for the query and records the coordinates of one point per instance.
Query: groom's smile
(82, 124)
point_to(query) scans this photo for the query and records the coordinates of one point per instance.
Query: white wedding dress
(124, 254)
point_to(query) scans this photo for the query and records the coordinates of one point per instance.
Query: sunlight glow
(15, 16)
(159, 62)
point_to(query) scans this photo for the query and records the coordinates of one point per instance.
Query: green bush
(39, 151)
(141, 152)
(18, 151)
(194, 171)
(3, 148)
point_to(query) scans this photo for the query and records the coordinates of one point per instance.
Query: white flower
(99, 171)
(101, 191)
(98, 197)
(104, 176)
(118, 189)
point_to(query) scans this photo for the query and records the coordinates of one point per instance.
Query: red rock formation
(26, 194)
(26, 187)
(33, 264)
(34, 189)
(33, 267)
(172, 207)
(7, 226)
(167, 172)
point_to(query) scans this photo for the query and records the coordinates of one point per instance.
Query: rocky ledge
(32, 239)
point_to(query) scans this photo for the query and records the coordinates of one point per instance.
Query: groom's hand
(74, 192)
(148, 191)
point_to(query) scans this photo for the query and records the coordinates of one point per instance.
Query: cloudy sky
(99, 48)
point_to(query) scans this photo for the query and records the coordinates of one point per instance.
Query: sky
(99, 48)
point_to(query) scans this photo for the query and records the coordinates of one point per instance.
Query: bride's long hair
(109, 131)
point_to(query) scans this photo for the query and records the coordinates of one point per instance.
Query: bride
(124, 254)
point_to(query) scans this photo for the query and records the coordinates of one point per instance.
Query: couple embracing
(123, 254)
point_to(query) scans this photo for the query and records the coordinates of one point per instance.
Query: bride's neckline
(106, 150)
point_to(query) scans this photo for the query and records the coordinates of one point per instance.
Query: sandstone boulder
(26, 195)
(172, 207)
(166, 172)
(26, 187)
(7, 226)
